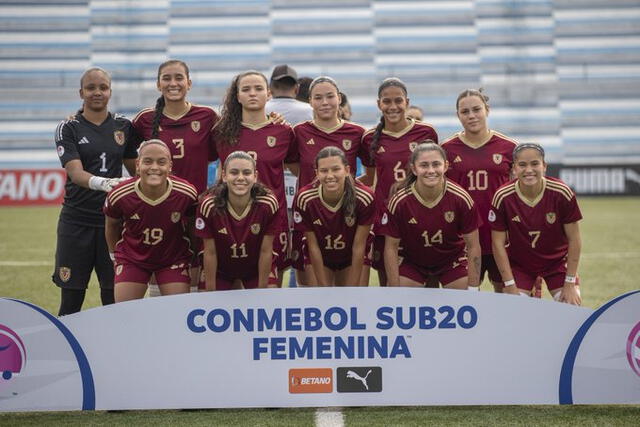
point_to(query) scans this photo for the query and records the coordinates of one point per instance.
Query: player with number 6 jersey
(237, 220)
(389, 146)
(538, 217)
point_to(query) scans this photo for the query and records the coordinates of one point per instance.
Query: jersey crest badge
(119, 269)
(195, 125)
(64, 273)
(271, 141)
(175, 217)
(346, 144)
(350, 221)
(255, 228)
(118, 136)
(551, 217)
(449, 216)
(412, 146)
(497, 158)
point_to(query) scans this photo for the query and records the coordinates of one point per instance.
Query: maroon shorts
(445, 274)
(224, 284)
(489, 266)
(176, 273)
(554, 278)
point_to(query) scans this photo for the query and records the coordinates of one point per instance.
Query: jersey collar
(333, 209)
(525, 200)
(402, 132)
(466, 142)
(424, 202)
(148, 200)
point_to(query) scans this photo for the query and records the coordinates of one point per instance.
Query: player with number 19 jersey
(154, 234)
(480, 170)
(238, 238)
(537, 241)
(188, 138)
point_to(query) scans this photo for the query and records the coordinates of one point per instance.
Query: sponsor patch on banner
(118, 136)
(367, 379)
(64, 273)
(314, 380)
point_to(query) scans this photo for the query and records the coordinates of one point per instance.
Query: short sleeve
(204, 213)
(300, 217)
(292, 152)
(367, 211)
(388, 224)
(110, 209)
(65, 143)
(570, 210)
(365, 151)
(272, 224)
(470, 220)
(496, 217)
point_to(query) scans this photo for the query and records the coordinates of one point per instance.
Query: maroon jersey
(238, 238)
(430, 233)
(311, 138)
(537, 241)
(392, 155)
(154, 234)
(271, 145)
(480, 171)
(188, 138)
(334, 232)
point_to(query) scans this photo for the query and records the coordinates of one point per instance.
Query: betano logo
(316, 380)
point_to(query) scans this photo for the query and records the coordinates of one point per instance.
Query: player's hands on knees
(570, 294)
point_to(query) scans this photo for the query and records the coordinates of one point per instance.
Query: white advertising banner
(320, 347)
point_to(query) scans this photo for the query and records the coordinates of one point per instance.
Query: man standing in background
(284, 88)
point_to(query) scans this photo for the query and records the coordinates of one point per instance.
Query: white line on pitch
(329, 417)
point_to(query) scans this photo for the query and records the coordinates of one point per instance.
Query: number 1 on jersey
(103, 157)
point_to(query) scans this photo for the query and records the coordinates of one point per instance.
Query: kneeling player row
(430, 226)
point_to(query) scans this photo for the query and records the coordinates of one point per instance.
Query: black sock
(71, 301)
(107, 297)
